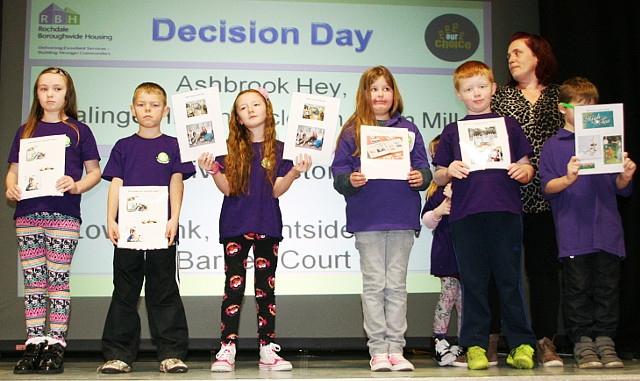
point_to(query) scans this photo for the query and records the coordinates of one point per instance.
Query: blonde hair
(578, 89)
(239, 146)
(70, 107)
(364, 114)
(150, 88)
(471, 69)
(433, 146)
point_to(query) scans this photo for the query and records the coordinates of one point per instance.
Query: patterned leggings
(265, 262)
(46, 243)
(450, 296)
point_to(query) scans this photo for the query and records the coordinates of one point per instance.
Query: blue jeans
(489, 244)
(384, 257)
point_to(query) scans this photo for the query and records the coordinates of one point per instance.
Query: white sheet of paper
(484, 143)
(142, 217)
(384, 152)
(311, 127)
(41, 162)
(599, 133)
(199, 124)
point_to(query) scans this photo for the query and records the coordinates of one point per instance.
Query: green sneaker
(477, 358)
(521, 357)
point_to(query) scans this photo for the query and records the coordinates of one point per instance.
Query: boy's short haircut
(470, 69)
(576, 89)
(151, 88)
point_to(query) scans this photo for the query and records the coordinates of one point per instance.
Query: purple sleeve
(343, 160)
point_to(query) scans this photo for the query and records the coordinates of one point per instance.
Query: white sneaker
(269, 359)
(225, 359)
(173, 365)
(114, 367)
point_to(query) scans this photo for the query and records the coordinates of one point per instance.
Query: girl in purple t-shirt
(252, 177)
(48, 227)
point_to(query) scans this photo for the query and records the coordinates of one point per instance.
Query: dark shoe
(30, 360)
(442, 353)
(52, 360)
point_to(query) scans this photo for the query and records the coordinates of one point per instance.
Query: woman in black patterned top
(532, 99)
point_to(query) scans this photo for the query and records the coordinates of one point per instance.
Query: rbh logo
(54, 15)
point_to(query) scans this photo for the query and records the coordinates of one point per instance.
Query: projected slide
(321, 48)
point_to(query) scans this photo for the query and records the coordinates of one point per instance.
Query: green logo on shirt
(67, 141)
(162, 158)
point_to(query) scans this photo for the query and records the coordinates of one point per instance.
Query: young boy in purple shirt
(147, 158)
(486, 225)
(589, 233)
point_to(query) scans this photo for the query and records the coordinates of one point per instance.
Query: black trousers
(543, 272)
(591, 295)
(157, 269)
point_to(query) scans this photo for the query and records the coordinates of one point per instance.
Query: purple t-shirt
(382, 204)
(489, 190)
(256, 211)
(443, 258)
(76, 153)
(146, 162)
(585, 213)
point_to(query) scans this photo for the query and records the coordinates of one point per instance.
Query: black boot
(52, 360)
(30, 360)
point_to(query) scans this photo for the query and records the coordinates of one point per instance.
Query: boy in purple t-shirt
(589, 232)
(485, 225)
(147, 158)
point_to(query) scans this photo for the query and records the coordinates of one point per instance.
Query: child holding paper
(435, 215)
(486, 226)
(384, 215)
(48, 227)
(252, 176)
(589, 232)
(147, 158)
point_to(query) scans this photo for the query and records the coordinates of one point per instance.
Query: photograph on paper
(484, 143)
(599, 138)
(310, 137)
(142, 217)
(41, 162)
(199, 123)
(311, 127)
(385, 152)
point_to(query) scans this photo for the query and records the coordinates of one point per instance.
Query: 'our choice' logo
(54, 15)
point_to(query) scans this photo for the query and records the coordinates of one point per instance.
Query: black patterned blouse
(539, 122)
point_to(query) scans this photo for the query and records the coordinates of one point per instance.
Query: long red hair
(240, 150)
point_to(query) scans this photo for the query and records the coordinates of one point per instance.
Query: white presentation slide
(322, 48)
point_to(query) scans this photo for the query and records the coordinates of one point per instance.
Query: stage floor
(323, 366)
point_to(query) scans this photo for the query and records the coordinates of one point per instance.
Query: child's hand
(357, 179)
(112, 232)
(66, 184)
(519, 172)
(207, 161)
(13, 193)
(628, 168)
(458, 169)
(573, 166)
(171, 231)
(444, 209)
(415, 178)
(303, 162)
